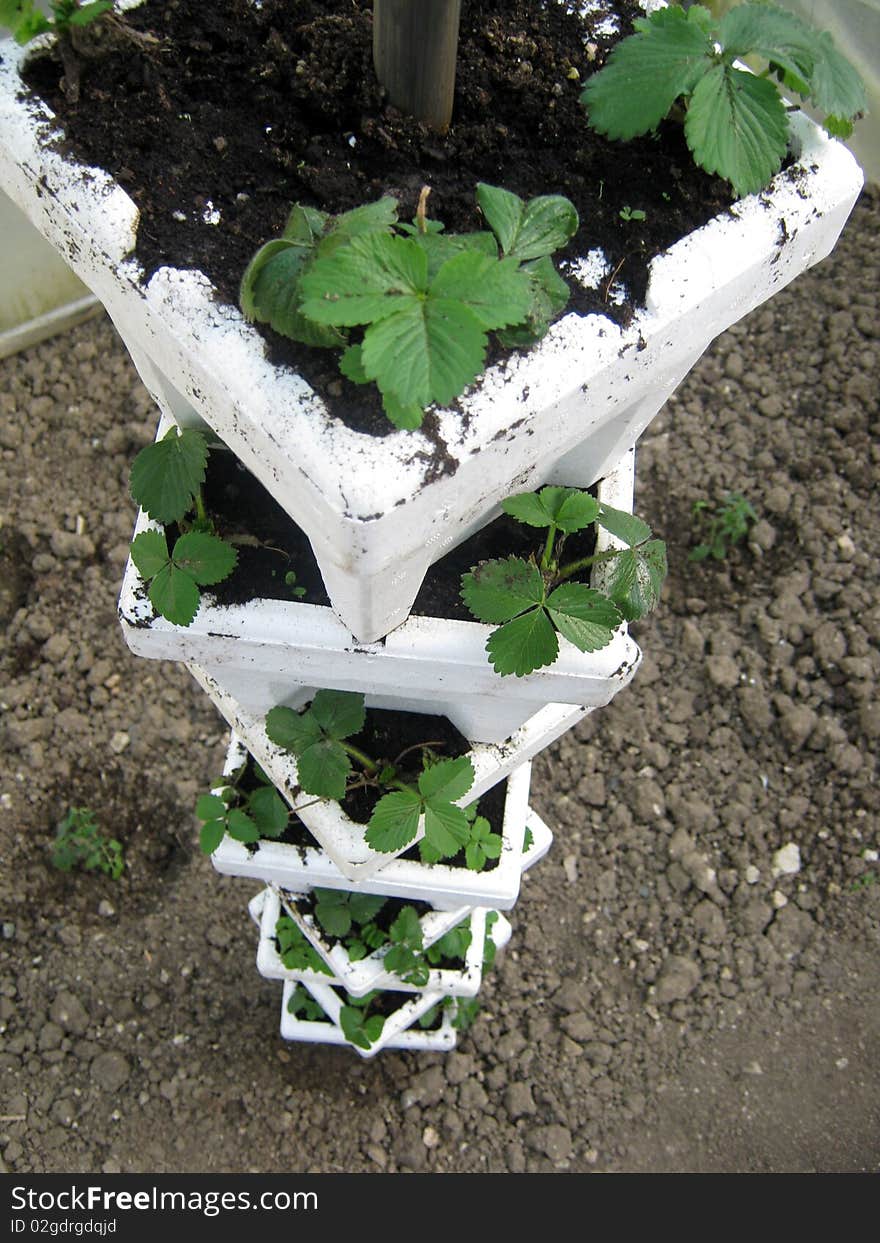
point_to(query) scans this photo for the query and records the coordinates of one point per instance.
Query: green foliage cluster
(722, 526)
(166, 481)
(409, 304)
(534, 600)
(80, 843)
(736, 122)
(329, 765)
(245, 815)
(26, 21)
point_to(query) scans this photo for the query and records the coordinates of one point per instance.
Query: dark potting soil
(270, 546)
(241, 110)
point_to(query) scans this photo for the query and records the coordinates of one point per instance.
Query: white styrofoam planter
(358, 978)
(269, 652)
(298, 868)
(342, 838)
(375, 510)
(397, 1032)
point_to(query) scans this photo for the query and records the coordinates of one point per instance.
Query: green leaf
(87, 13)
(373, 1027)
(339, 713)
(428, 351)
(357, 1030)
(365, 281)
(624, 526)
(453, 944)
(566, 508)
(375, 217)
(269, 811)
(166, 476)
(323, 769)
(271, 293)
(836, 87)
(446, 828)
(406, 417)
(635, 578)
(737, 126)
(584, 616)
(332, 912)
(495, 290)
(365, 906)
(149, 552)
(241, 827)
(294, 731)
(442, 246)
(527, 230)
(394, 822)
(767, 31)
(351, 364)
(212, 834)
(447, 779)
(407, 928)
(305, 225)
(210, 807)
(205, 558)
(549, 297)
(523, 645)
(496, 591)
(647, 72)
(174, 595)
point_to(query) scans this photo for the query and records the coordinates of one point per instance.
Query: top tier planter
(377, 511)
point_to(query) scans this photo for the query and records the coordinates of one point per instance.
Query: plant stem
(548, 549)
(566, 571)
(201, 512)
(415, 43)
(360, 756)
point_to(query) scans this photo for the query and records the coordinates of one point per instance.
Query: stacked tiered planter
(378, 512)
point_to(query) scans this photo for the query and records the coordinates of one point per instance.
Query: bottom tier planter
(398, 1031)
(300, 868)
(342, 839)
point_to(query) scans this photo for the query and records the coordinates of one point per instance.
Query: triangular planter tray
(342, 838)
(397, 1026)
(358, 978)
(377, 510)
(269, 652)
(299, 868)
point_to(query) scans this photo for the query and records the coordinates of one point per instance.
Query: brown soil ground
(666, 1004)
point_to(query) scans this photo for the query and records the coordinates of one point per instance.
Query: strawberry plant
(722, 526)
(245, 816)
(735, 122)
(80, 843)
(294, 949)
(326, 760)
(409, 304)
(166, 481)
(25, 20)
(535, 600)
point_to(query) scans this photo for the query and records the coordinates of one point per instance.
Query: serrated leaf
(271, 293)
(635, 579)
(527, 230)
(523, 645)
(394, 822)
(294, 731)
(448, 779)
(646, 73)
(767, 31)
(205, 558)
(377, 217)
(549, 297)
(323, 769)
(339, 713)
(241, 827)
(210, 807)
(174, 595)
(87, 13)
(497, 590)
(441, 246)
(446, 828)
(624, 526)
(407, 928)
(149, 552)
(374, 1027)
(406, 417)
(736, 125)
(269, 811)
(334, 917)
(428, 351)
(365, 906)
(474, 857)
(836, 87)
(212, 834)
(364, 281)
(166, 475)
(353, 1027)
(584, 616)
(305, 225)
(351, 364)
(495, 290)
(529, 508)
(566, 508)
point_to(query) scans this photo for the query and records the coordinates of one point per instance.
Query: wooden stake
(415, 43)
